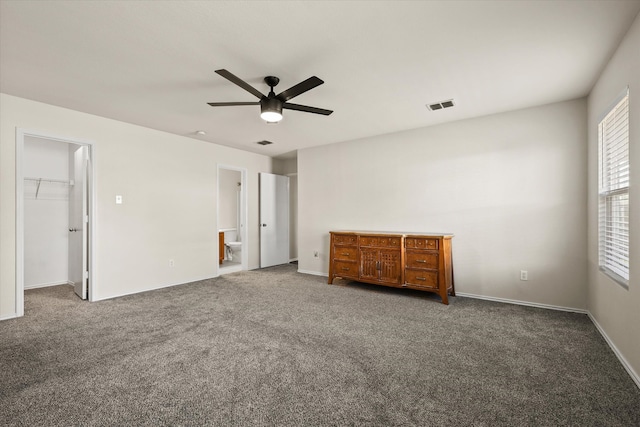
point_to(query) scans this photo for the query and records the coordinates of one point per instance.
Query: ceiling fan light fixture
(271, 116)
(271, 110)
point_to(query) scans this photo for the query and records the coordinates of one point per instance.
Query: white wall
(228, 209)
(511, 187)
(615, 309)
(169, 186)
(46, 218)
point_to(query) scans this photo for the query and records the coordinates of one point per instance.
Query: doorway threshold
(229, 269)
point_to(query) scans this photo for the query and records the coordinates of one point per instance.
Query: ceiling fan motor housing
(271, 105)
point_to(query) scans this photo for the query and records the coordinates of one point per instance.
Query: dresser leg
(453, 283)
(445, 299)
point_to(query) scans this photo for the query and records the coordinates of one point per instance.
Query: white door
(274, 220)
(78, 223)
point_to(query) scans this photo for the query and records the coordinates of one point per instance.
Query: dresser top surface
(392, 233)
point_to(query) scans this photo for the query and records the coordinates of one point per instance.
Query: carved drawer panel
(390, 266)
(346, 253)
(369, 263)
(346, 269)
(421, 278)
(421, 243)
(421, 259)
(345, 239)
(383, 242)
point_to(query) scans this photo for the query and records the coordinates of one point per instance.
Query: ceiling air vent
(440, 105)
(265, 142)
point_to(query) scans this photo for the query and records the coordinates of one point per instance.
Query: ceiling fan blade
(306, 109)
(244, 85)
(230, 104)
(300, 88)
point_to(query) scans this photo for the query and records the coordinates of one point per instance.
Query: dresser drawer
(345, 269)
(421, 278)
(421, 243)
(421, 259)
(345, 239)
(380, 241)
(345, 253)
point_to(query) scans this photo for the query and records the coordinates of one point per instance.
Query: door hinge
(86, 274)
(86, 219)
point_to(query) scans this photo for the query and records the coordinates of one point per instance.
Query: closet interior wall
(46, 212)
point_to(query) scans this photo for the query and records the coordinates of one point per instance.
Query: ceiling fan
(271, 105)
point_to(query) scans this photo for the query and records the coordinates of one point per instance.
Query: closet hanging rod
(60, 181)
(39, 181)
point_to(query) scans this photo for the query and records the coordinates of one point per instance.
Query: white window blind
(613, 173)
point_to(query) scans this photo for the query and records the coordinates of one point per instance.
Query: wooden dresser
(403, 260)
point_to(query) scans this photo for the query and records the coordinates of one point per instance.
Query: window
(613, 183)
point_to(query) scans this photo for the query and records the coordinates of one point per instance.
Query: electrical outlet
(524, 275)
(172, 263)
(316, 254)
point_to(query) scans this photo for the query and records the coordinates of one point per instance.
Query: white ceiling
(152, 63)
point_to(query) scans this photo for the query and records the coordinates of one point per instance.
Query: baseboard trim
(153, 289)
(633, 374)
(525, 303)
(9, 317)
(46, 285)
(313, 273)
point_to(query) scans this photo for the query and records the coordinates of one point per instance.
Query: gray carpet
(274, 347)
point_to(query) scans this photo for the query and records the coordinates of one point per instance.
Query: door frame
(244, 234)
(91, 205)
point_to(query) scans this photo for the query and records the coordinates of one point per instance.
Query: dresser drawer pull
(345, 254)
(421, 278)
(346, 268)
(421, 260)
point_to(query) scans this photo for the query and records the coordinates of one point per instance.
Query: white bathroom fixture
(234, 247)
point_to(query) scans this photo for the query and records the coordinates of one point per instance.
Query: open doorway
(55, 208)
(231, 230)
